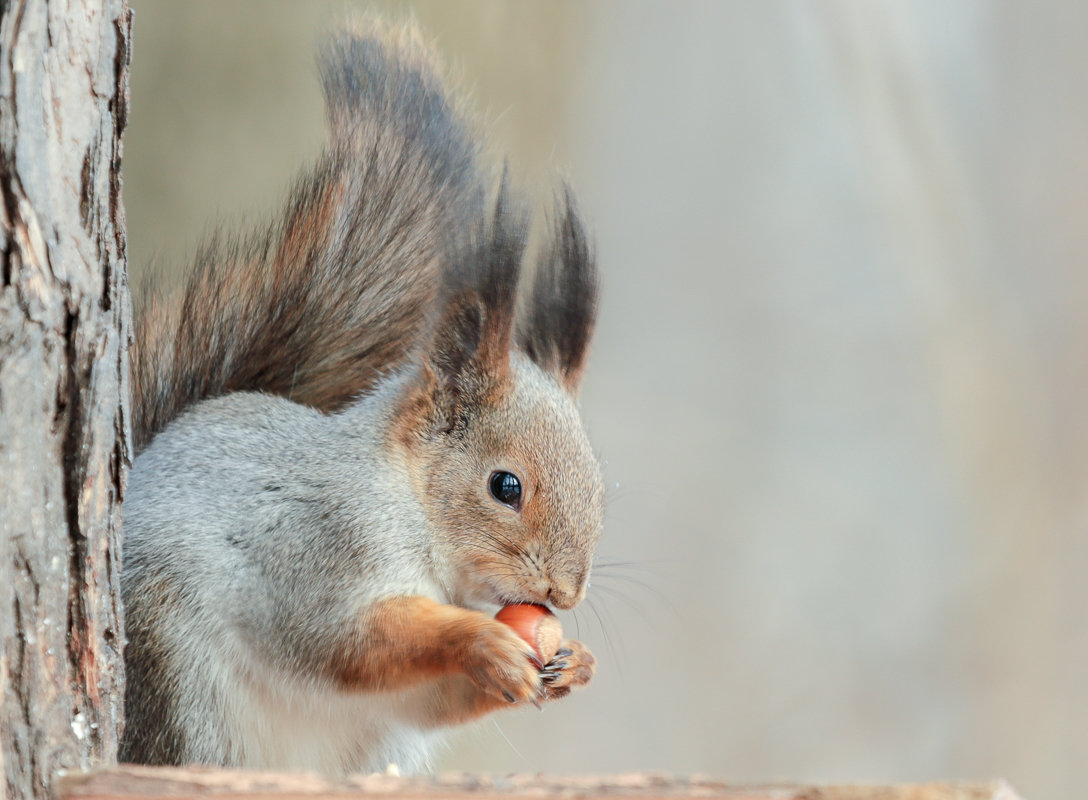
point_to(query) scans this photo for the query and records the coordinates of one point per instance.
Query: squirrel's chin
(475, 597)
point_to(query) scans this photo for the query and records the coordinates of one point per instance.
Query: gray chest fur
(256, 530)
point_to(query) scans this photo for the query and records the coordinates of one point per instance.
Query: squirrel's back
(318, 304)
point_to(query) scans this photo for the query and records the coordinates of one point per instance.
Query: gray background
(841, 368)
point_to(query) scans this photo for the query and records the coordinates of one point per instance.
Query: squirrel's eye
(506, 488)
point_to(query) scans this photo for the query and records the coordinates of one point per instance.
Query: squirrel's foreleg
(403, 641)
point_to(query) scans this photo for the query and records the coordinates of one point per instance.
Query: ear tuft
(490, 264)
(469, 352)
(561, 309)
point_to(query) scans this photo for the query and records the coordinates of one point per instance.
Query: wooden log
(161, 783)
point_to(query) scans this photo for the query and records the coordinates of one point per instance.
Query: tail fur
(317, 305)
(389, 225)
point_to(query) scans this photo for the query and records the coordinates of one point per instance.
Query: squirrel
(356, 434)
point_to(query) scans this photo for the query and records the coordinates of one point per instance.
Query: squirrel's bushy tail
(319, 303)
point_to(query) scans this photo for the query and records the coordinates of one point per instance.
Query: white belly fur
(297, 726)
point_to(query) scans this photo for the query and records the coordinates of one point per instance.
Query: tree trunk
(64, 432)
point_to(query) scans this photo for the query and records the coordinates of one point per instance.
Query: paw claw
(572, 666)
(499, 664)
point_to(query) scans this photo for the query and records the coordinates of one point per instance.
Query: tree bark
(64, 438)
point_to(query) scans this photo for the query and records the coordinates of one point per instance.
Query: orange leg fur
(404, 641)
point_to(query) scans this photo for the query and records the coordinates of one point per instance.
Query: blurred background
(841, 369)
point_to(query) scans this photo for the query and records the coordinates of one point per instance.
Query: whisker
(577, 624)
(508, 574)
(608, 640)
(621, 570)
(642, 566)
(626, 598)
(486, 544)
(488, 549)
(532, 560)
(513, 747)
(602, 581)
(500, 539)
(641, 584)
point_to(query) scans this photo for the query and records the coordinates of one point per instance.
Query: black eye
(506, 488)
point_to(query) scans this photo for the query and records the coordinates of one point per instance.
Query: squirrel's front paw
(501, 664)
(572, 666)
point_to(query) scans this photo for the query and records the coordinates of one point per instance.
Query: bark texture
(64, 322)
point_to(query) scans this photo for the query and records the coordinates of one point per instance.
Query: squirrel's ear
(469, 362)
(561, 309)
(457, 338)
(469, 350)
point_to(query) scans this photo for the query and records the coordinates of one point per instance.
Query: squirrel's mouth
(485, 597)
(488, 587)
(488, 594)
(494, 595)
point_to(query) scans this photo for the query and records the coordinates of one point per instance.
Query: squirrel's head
(501, 462)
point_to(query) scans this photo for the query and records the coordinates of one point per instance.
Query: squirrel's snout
(566, 594)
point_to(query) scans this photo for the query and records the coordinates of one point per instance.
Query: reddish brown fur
(404, 641)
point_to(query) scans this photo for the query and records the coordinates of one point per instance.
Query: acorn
(536, 625)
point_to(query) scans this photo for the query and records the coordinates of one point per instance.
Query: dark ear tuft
(490, 264)
(470, 345)
(561, 309)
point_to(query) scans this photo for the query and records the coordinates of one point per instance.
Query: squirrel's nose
(566, 594)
